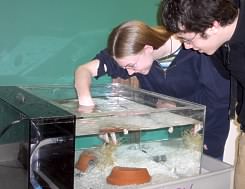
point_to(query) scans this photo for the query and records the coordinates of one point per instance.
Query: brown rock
(84, 160)
(128, 175)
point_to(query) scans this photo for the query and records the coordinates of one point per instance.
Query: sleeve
(109, 66)
(217, 86)
(218, 61)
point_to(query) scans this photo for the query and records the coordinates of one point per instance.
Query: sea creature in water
(105, 155)
(192, 140)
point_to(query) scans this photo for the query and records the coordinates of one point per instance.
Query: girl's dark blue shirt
(191, 76)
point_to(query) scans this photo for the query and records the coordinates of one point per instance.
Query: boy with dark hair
(216, 28)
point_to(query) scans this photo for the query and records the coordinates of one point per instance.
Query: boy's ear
(214, 29)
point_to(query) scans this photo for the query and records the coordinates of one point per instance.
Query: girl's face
(138, 63)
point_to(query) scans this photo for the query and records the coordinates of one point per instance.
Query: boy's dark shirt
(235, 62)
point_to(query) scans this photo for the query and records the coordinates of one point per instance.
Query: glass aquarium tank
(151, 138)
(36, 141)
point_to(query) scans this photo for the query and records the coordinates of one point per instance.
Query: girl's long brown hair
(129, 38)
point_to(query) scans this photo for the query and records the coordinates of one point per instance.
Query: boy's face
(207, 44)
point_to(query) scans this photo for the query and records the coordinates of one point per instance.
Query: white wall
(230, 147)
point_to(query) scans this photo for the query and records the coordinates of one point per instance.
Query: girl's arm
(83, 79)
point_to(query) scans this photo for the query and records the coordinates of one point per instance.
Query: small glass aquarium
(151, 138)
(155, 134)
